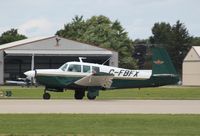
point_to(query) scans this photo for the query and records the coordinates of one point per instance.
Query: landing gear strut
(79, 94)
(46, 96)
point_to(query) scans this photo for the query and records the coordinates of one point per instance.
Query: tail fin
(161, 63)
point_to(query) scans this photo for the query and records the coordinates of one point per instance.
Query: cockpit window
(86, 69)
(74, 68)
(63, 67)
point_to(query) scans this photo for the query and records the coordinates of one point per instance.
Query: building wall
(1, 67)
(191, 73)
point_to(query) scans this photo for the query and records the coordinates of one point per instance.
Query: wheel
(46, 96)
(79, 94)
(91, 97)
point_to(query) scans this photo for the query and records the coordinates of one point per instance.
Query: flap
(97, 79)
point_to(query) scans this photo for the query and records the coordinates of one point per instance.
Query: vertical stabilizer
(161, 62)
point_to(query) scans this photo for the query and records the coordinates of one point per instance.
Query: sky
(44, 17)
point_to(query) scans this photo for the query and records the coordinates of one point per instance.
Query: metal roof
(22, 42)
(56, 53)
(53, 45)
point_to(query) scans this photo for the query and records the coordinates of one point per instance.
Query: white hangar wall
(191, 67)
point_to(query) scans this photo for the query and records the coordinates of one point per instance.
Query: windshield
(63, 67)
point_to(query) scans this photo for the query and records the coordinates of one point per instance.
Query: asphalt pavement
(101, 106)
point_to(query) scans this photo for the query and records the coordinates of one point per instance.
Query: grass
(166, 93)
(153, 94)
(102, 124)
(81, 124)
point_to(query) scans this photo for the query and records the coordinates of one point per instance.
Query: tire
(46, 96)
(91, 97)
(79, 94)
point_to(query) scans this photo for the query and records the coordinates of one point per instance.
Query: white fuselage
(83, 69)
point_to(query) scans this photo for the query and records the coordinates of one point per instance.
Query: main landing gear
(91, 97)
(91, 94)
(79, 94)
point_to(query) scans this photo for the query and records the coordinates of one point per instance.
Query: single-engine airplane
(28, 81)
(81, 76)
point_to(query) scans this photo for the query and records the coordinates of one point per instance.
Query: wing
(97, 79)
(16, 82)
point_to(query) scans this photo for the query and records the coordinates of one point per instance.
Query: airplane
(90, 77)
(24, 82)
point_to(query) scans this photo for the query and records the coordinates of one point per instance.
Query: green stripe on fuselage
(65, 81)
(152, 82)
(56, 81)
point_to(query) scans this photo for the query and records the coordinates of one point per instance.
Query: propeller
(33, 80)
(30, 75)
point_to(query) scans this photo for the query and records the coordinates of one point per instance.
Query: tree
(175, 39)
(180, 44)
(141, 41)
(161, 33)
(195, 41)
(11, 36)
(73, 30)
(101, 31)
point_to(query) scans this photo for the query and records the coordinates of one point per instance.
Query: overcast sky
(45, 17)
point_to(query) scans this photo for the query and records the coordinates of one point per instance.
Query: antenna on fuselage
(106, 61)
(81, 58)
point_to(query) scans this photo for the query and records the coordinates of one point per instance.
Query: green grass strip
(100, 124)
(163, 93)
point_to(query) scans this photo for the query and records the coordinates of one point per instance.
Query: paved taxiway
(101, 106)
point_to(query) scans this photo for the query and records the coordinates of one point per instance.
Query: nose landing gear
(46, 96)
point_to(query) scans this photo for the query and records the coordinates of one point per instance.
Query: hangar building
(48, 52)
(191, 67)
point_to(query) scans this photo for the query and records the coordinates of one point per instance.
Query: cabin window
(74, 68)
(95, 69)
(63, 68)
(86, 69)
